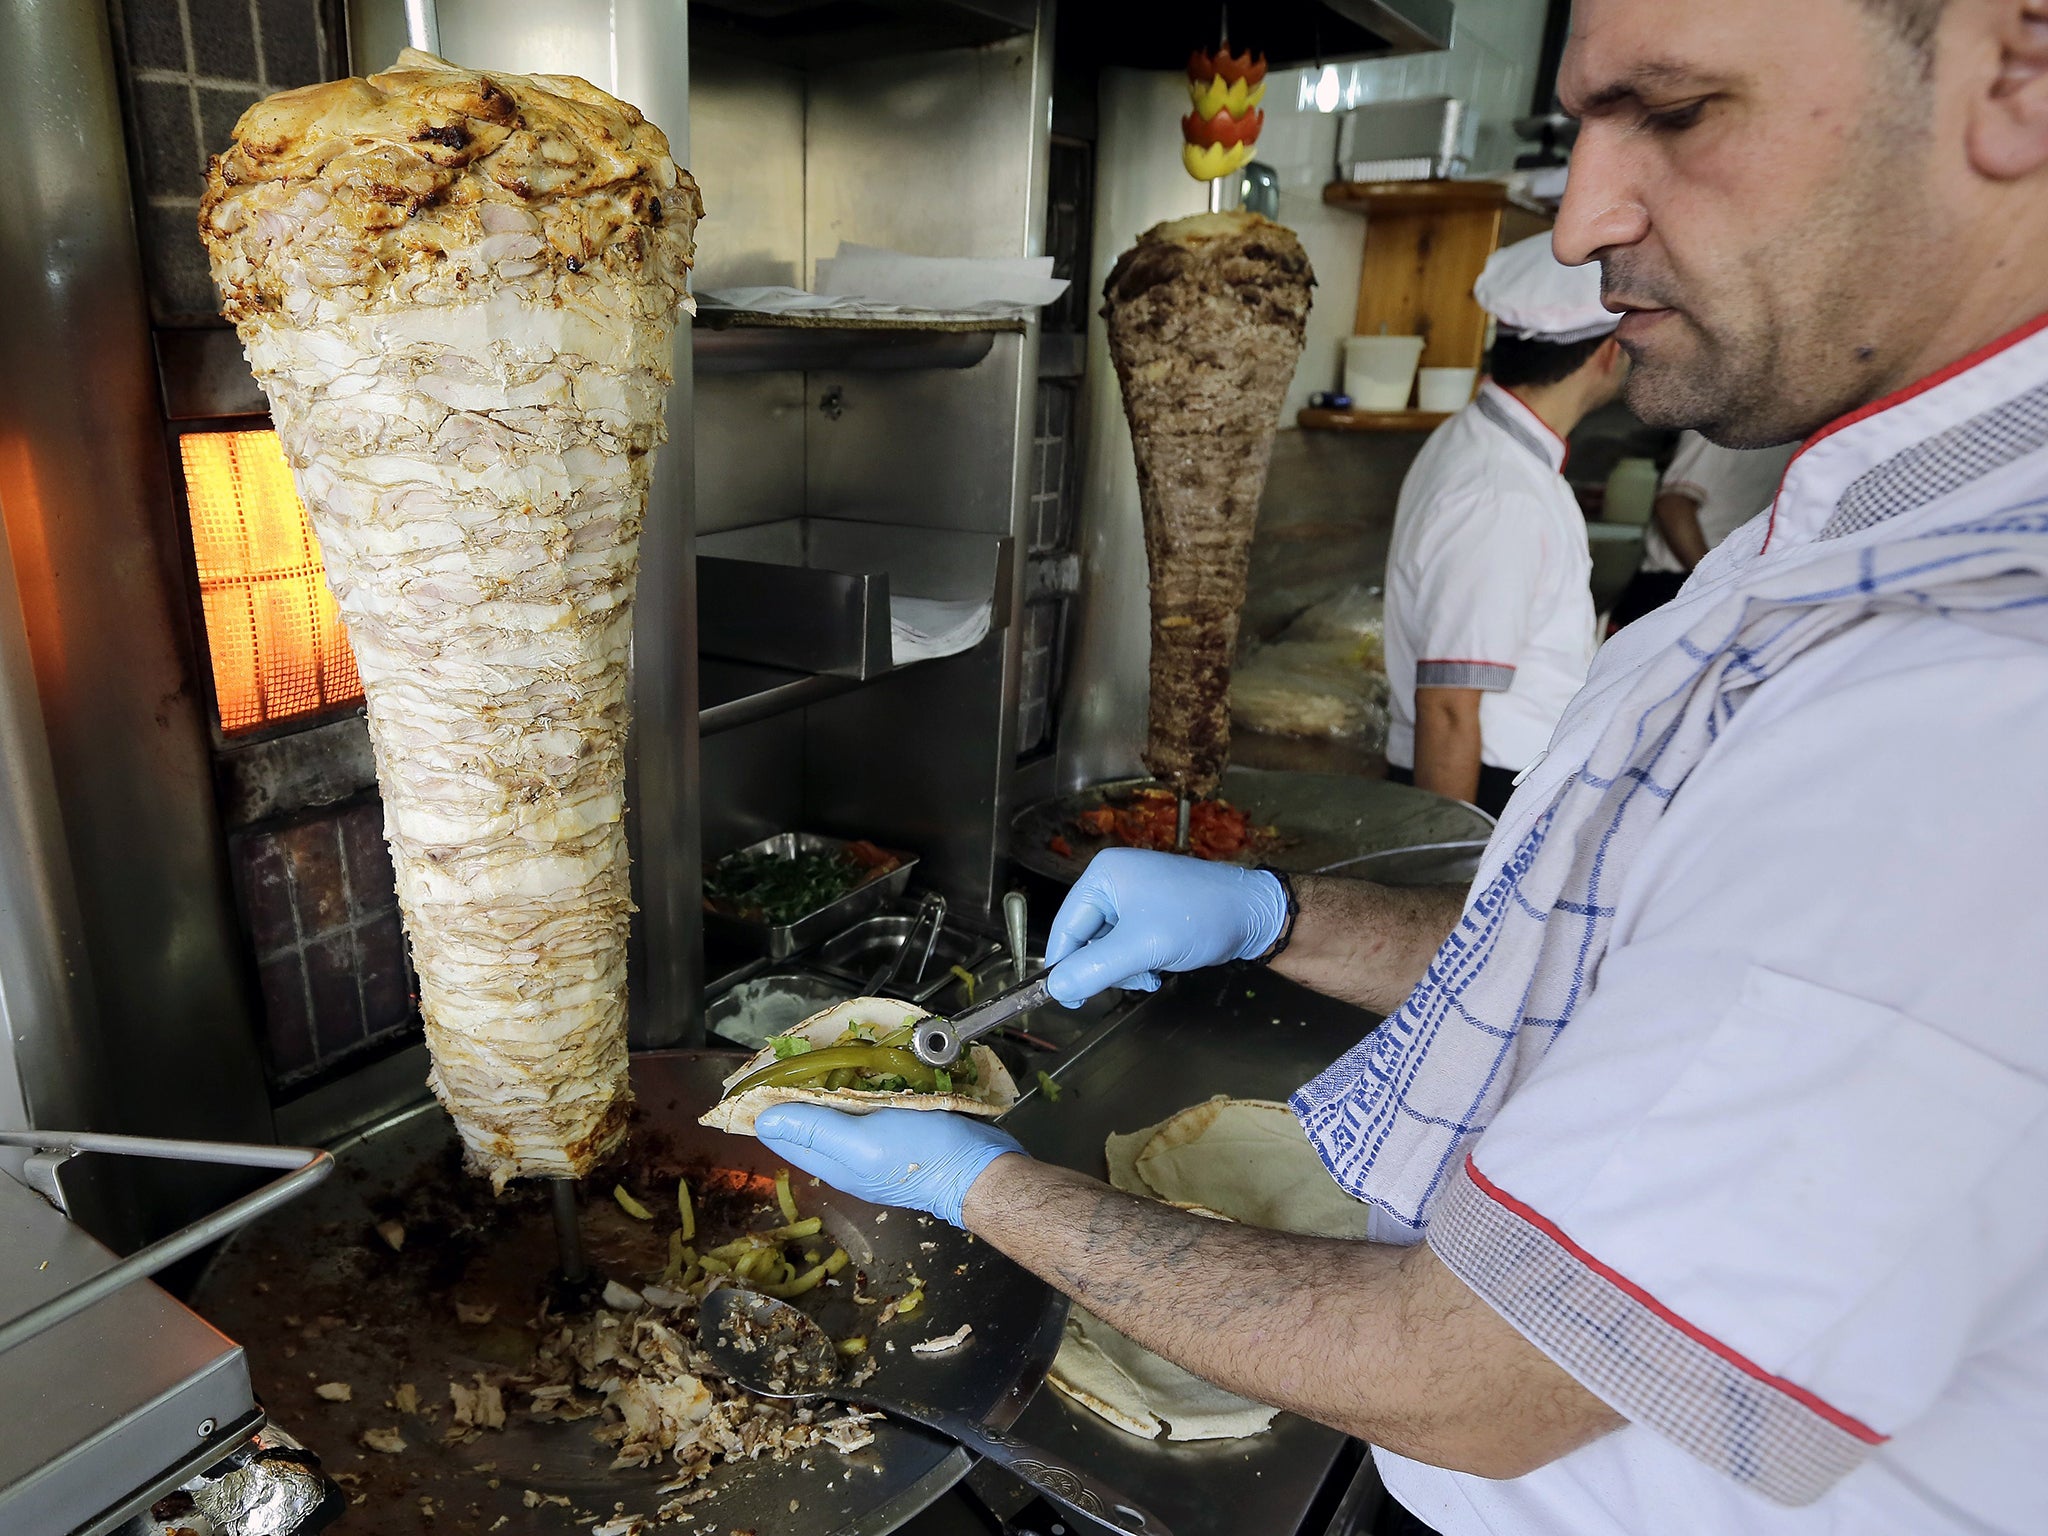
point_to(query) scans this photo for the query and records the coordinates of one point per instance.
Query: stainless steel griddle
(315, 1295)
(1324, 820)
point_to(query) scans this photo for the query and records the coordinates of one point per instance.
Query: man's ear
(1610, 354)
(2008, 137)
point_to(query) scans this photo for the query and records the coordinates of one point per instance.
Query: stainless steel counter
(1251, 1035)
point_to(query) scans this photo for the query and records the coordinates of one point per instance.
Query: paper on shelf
(922, 628)
(939, 282)
(864, 281)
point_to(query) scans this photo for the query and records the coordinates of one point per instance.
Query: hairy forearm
(1379, 1342)
(1367, 944)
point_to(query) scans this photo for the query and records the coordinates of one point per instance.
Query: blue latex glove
(925, 1159)
(1134, 914)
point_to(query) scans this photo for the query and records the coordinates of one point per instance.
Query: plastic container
(1379, 371)
(1631, 492)
(1445, 389)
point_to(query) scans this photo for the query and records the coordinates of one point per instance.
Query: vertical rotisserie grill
(1206, 318)
(458, 291)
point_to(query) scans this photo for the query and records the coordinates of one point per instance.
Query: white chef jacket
(1489, 580)
(1797, 1135)
(1729, 486)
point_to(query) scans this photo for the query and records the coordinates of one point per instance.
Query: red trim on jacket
(1742, 1363)
(1935, 380)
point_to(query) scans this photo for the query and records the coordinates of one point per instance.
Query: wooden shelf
(1372, 421)
(1415, 196)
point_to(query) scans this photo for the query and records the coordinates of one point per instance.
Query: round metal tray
(1324, 820)
(315, 1295)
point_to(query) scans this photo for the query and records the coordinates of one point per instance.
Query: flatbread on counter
(1139, 1392)
(993, 1093)
(1249, 1160)
(1243, 1160)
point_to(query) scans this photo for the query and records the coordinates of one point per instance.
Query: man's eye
(1675, 119)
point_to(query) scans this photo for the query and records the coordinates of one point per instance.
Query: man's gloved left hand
(924, 1159)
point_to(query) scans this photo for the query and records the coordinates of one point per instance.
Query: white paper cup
(1445, 389)
(1379, 371)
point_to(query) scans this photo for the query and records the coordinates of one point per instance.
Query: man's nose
(1602, 209)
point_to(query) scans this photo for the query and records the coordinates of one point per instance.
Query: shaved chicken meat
(661, 1399)
(1206, 318)
(458, 290)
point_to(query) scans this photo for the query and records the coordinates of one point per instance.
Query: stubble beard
(1726, 387)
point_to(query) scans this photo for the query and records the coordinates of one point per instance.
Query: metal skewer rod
(1180, 824)
(568, 1231)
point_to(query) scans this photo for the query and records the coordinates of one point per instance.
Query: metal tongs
(938, 1042)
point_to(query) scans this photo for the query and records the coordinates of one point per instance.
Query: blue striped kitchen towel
(1396, 1114)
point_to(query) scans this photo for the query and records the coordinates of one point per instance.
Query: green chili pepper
(814, 1066)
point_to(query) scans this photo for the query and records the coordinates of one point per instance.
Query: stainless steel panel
(940, 562)
(914, 760)
(86, 491)
(203, 373)
(736, 693)
(936, 449)
(782, 615)
(49, 1027)
(747, 136)
(749, 432)
(942, 154)
(106, 1400)
(754, 780)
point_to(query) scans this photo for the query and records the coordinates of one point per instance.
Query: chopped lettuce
(786, 1046)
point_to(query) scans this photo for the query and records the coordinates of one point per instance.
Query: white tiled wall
(1490, 66)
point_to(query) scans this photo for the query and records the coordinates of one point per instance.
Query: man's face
(1756, 179)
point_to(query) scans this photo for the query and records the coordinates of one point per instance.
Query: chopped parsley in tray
(763, 888)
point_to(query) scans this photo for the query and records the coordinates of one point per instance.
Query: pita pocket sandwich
(856, 1056)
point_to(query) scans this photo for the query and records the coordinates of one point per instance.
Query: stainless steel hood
(1157, 34)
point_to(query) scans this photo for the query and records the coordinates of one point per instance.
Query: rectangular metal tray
(770, 1001)
(865, 947)
(778, 941)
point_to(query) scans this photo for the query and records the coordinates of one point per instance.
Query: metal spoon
(774, 1350)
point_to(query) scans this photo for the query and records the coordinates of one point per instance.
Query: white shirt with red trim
(1782, 1187)
(1489, 580)
(1727, 486)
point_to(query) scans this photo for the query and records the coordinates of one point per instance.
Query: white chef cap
(1536, 297)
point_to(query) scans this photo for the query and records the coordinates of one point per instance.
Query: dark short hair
(1518, 363)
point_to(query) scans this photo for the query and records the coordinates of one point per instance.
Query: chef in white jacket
(1490, 623)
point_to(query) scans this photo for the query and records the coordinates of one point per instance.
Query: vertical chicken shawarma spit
(1206, 316)
(459, 292)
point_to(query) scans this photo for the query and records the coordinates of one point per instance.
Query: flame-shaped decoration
(1226, 89)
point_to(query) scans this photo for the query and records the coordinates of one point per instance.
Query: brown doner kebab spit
(1206, 316)
(458, 290)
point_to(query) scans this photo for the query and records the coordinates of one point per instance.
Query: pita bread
(1232, 1159)
(1249, 1160)
(991, 1096)
(1139, 1392)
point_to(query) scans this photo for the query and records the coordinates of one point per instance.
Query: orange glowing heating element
(279, 648)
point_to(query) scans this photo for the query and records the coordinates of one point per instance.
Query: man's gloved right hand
(1134, 914)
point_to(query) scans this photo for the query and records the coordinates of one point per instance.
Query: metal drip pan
(316, 1296)
(1325, 820)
